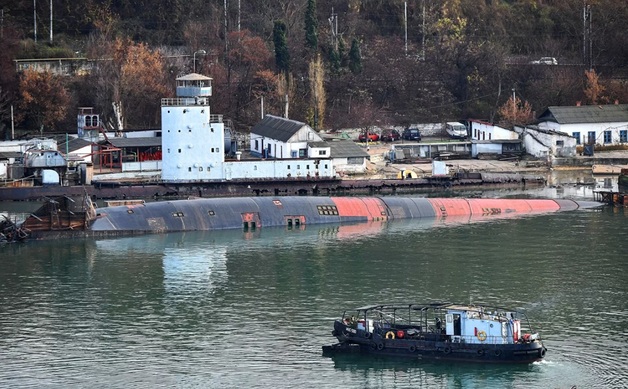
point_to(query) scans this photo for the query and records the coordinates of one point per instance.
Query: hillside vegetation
(331, 63)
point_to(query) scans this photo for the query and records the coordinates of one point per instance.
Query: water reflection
(433, 373)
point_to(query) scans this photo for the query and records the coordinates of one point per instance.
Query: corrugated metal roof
(10, 154)
(73, 144)
(278, 128)
(346, 149)
(610, 113)
(135, 142)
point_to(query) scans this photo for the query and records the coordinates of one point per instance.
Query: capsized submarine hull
(251, 213)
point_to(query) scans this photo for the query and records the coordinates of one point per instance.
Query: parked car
(412, 134)
(372, 137)
(545, 61)
(390, 135)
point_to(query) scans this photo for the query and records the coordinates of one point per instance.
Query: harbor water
(234, 309)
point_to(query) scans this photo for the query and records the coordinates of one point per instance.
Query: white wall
(342, 165)
(192, 147)
(141, 166)
(485, 148)
(279, 168)
(487, 131)
(584, 128)
(541, 144)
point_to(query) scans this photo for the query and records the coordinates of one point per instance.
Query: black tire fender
(447, 350)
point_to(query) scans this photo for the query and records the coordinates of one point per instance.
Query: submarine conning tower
(192, 138)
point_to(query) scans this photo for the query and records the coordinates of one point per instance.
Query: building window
(168, 151)
(307, 167)
(179, 151)
(256, 144)
(577, 136)
(200, 169)
(608, 137)
(255, 167)
(560, 143)
(623, 136)
(322, 152)
(288, 167)
(212, 149)
(591, 137)
(190, 169)
(326, 166)
(298, 167)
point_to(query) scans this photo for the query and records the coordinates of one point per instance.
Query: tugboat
(439, 331)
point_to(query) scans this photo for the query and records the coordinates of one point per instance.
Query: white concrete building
(603, 124)
(543, 143)
(277, 137)
(486, 131)
(193, 143)
(192, 139)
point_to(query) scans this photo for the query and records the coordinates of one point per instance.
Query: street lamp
(200, 52)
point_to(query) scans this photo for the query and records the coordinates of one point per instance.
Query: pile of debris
(11, 232)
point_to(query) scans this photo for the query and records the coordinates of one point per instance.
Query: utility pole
(587, 45)
(35, 20)
(239, 10)
(514, 106)
(423, 34)
(405, 20)
(226, 44)
(333, 25)
(50, 21)
(12, 124)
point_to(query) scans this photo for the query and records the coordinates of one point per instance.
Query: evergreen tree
(355, 58)
(311, 25)
(342, 52)
(282, 55)
(334, 60)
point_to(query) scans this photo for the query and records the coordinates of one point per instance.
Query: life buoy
(481, 336)
(400, 334)
(390, 335)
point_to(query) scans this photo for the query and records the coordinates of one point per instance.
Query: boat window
(211, 212)
(327, 209)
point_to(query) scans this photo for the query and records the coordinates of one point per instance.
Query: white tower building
(192, 139)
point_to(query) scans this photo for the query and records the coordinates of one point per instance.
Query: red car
(371, 136)
(390, 135)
